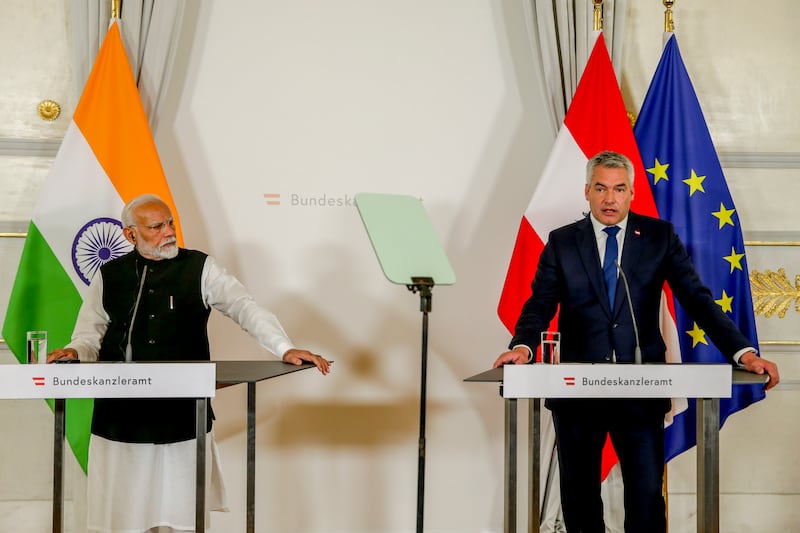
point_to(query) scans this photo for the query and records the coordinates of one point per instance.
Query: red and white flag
(596, 120)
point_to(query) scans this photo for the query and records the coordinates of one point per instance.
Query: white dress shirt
(220, 290)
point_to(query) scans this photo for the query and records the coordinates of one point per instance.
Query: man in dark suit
(577, 276)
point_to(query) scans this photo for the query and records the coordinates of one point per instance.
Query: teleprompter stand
(424, 286)
(409, 254)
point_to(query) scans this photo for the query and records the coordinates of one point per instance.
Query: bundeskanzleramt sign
(108, 380)
(617, 381)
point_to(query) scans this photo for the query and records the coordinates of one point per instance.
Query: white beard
(166, 250)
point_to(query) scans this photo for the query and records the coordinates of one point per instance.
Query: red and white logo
(38, 381)
(569, 381)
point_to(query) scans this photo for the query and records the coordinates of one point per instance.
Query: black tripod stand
(424, 286)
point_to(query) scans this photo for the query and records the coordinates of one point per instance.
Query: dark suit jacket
(569, 275)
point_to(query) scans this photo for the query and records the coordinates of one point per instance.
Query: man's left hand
(759, 365)
(298, 357)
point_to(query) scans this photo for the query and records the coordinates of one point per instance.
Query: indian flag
(107, 158)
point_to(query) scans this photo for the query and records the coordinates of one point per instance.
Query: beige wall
(441, 100)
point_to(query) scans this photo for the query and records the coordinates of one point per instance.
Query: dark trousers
(640, 449)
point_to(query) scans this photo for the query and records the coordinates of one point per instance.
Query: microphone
(129, 348)
(637, 352)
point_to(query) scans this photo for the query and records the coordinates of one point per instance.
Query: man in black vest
(153, 304)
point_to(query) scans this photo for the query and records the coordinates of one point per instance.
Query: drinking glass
(551, 347)
(37, 347)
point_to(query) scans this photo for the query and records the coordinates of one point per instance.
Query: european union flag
(690, 191)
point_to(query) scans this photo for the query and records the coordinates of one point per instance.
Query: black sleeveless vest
(170, 325)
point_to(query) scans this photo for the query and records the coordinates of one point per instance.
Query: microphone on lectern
(637, 352)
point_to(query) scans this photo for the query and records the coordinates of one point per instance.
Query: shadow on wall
(386, 372)
(346, 424)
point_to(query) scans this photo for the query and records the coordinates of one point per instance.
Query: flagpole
(669, 24)
(598, 15)
(115, 9)
(669, 28)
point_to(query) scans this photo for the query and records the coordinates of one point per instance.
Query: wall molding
(29, 147)
(784, 160)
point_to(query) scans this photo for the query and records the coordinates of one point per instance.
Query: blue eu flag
(690, 191)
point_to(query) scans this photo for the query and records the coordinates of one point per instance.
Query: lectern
(143, 380)
(707, 382)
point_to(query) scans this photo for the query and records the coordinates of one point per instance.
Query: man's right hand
(518, 356)
(65, 353)
(758, 365)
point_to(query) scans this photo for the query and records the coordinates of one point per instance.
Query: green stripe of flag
(45, 298)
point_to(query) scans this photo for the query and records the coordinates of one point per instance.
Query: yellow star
(734, 259)
(724, 215)
(695, 183)
(697, 335)
(726, 302)
(659, 171)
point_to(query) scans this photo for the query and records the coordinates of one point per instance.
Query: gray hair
(609, 159)
(127, 218)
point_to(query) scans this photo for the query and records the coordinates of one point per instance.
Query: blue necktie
(609, 263)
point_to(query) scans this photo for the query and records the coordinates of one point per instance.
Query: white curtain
(89, 23)
(562, 33)
(150, 31)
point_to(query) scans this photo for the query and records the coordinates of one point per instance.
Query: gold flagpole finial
(115, 9)
(669, 24)
(598, 14)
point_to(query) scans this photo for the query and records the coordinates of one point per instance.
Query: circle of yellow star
(697, 335)
(695, 183)
(734, 259)
(724, 215)
(659, 171)
(726, 302)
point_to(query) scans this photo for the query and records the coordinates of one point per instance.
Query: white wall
(307, 99)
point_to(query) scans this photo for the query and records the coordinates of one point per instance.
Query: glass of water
(551, 347)
(37, 347)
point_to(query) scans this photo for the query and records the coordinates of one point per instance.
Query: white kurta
(133, 487)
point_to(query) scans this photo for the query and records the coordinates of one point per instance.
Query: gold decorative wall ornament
(49, 110)
(773, 292)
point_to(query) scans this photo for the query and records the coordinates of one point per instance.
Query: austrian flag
(596, 121)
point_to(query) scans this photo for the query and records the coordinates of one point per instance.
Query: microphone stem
(129, 348)
(637, 352)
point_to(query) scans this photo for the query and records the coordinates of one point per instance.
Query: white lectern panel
(108, 380)
(617, 381)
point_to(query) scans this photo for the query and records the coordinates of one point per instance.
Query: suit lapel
(633, 245)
